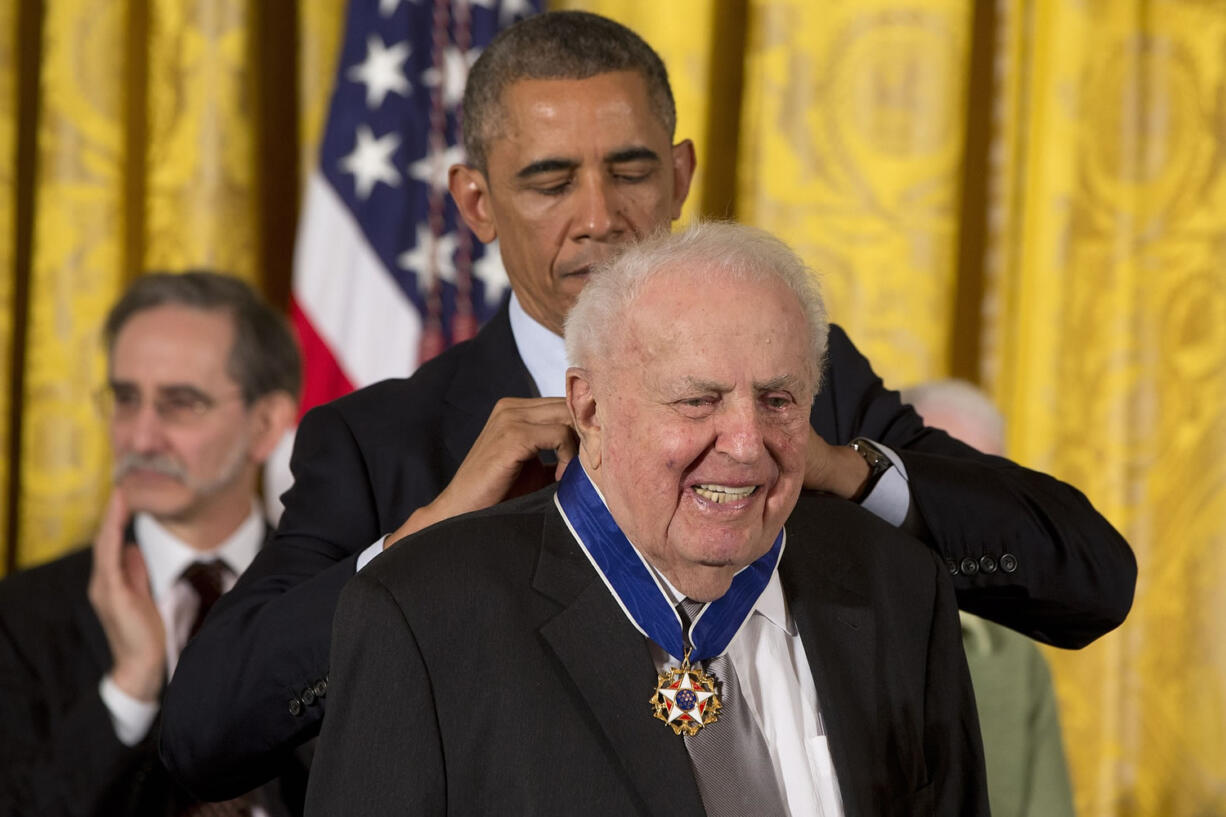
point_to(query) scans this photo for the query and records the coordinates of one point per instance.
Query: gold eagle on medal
(685, 698)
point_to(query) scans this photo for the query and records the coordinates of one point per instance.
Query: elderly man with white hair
(672, 629)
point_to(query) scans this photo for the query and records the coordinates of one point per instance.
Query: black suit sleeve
(230, 717)
(1025, 550)
(380, 750)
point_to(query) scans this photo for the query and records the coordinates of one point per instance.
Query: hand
(833, 469)
(119, 592)
(503, 460)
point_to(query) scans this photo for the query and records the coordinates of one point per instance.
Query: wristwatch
(878, 464)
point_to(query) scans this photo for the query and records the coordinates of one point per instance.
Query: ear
(271, 416)
(581, 400)
(684, 163)
(471, 191)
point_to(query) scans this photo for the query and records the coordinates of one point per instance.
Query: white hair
(710, 248)
(960, 399)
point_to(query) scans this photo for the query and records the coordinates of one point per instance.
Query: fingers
(108, 546)
(515, 432)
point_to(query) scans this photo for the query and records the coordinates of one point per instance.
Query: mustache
(147, 462)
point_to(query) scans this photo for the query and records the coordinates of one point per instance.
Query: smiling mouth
(720, 494)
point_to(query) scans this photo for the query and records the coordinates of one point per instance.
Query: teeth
(724, 493)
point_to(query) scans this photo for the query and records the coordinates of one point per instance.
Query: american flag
(385, 273)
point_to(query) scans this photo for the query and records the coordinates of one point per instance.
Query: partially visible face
(195, 458)
(577, 168)
(703, 422)
(961, 426)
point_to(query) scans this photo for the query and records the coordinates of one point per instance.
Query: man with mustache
(571, 155)
(202, 382)
(805, 658)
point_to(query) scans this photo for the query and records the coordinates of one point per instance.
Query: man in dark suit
(202, 381)
(496, 663)
(569, 124)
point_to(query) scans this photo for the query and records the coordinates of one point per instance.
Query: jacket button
(295, 707)
(969, 566)
(308, 696)
(1008, 562)
(321, 687)
(953, 567)
(987, 564)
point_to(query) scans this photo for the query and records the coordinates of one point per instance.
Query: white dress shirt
(773, 672)
(166, 557)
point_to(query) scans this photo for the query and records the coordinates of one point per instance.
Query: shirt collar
(167, 556)
(543, 352)
(770, 604)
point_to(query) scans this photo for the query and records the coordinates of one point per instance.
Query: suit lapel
(831, 611)
(610, 665)
(490, 370)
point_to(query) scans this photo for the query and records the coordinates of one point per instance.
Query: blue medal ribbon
(635, 586)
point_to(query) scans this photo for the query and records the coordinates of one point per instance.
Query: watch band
(878, 464)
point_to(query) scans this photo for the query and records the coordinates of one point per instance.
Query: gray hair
(961, 399)
(265, 356)
(556, 45)
(736, 250)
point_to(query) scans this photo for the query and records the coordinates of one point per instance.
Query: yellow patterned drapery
(1108, 353)
(1026, 192)
(8, 231)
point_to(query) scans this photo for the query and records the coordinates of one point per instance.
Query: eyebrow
(555, 164)
(634, 154)
(786, 381)
(546, 166)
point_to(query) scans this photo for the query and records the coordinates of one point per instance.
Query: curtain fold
(1108, 354)
(852, 137)
(8, 250)
(76, 269)
(201, 193)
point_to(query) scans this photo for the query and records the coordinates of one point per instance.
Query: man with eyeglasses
(202, 382)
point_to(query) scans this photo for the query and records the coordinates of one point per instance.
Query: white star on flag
(388, 7)
(432, 168)
(382, 71)
(674, 711)
(370, 162)
(455, 74)
(418, 259)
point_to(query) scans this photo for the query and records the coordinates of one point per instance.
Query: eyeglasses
(178, 406)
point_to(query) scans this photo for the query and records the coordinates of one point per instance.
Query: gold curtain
(1107, 280)
(8, 229)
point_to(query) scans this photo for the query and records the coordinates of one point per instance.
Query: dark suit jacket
(58, 751)
(1044, 561)
(486, 669)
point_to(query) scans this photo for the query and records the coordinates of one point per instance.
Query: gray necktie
(731, 762)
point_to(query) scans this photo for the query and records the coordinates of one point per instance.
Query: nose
(599, 216)
(739, 432)
(142, 432)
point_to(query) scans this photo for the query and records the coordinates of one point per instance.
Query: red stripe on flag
(322, 379)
